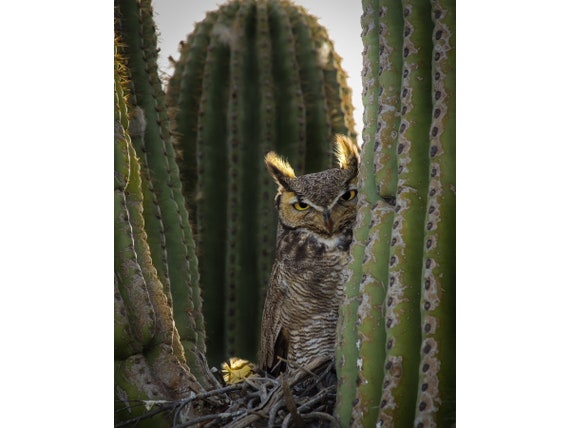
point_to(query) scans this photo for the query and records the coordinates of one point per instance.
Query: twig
(145, 416)
(181, 403)
(316, 398)
(297, 396)
(273, 412)
(323, 416)
(290, 404)
(208, 417)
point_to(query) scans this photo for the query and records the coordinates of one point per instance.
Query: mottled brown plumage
(316, 215)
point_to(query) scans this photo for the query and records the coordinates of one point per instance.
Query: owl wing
(274, 340)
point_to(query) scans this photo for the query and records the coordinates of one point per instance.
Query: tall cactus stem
(347, 352)
(436, 392)
(172, 247)
(377, 179)
(261, 87)
(406, 251)
(402, 270)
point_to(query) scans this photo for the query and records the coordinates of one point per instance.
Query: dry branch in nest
(303, 397)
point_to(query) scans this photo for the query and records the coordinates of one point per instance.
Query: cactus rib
(436, 392)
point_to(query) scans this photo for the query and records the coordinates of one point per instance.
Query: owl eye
(348, 196)
(300, 206)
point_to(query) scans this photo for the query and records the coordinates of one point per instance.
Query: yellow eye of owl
(348, 196)
(300, 206)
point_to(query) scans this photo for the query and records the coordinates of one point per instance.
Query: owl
(316, 213)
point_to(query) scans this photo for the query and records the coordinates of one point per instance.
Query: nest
(303, 397)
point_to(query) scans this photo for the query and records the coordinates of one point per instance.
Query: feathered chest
(310, 266)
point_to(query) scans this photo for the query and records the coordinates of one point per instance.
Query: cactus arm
(408, 156)
(171, 248)
(138, 317)
(383, 67)
(182, 261)
(377, 178)
(347, 352)
(382, 77)
(403, 297)
(129, 27)
(127, 170)
(436, 392)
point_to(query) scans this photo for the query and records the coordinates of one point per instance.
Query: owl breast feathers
(316, 215)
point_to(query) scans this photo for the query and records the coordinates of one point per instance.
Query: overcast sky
(176, 18)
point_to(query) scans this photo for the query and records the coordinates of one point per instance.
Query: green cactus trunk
(165, 218)
(254, 76)
(396, 356)
(159, 330)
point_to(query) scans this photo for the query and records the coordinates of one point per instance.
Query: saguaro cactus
(396, 357)
(254, 76)
(159, 333)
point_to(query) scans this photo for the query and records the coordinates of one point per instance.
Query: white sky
(176, 18)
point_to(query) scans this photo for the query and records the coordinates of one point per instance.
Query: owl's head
(323, 202)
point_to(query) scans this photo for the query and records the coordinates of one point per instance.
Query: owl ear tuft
(279, 169)
(347, 153)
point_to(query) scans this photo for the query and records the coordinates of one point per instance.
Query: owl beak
(328, 221)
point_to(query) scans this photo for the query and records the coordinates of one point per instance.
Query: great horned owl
(316, 215)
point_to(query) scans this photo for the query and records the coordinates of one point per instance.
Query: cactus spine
(396, 357)
(254, 76)
(159, 330)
